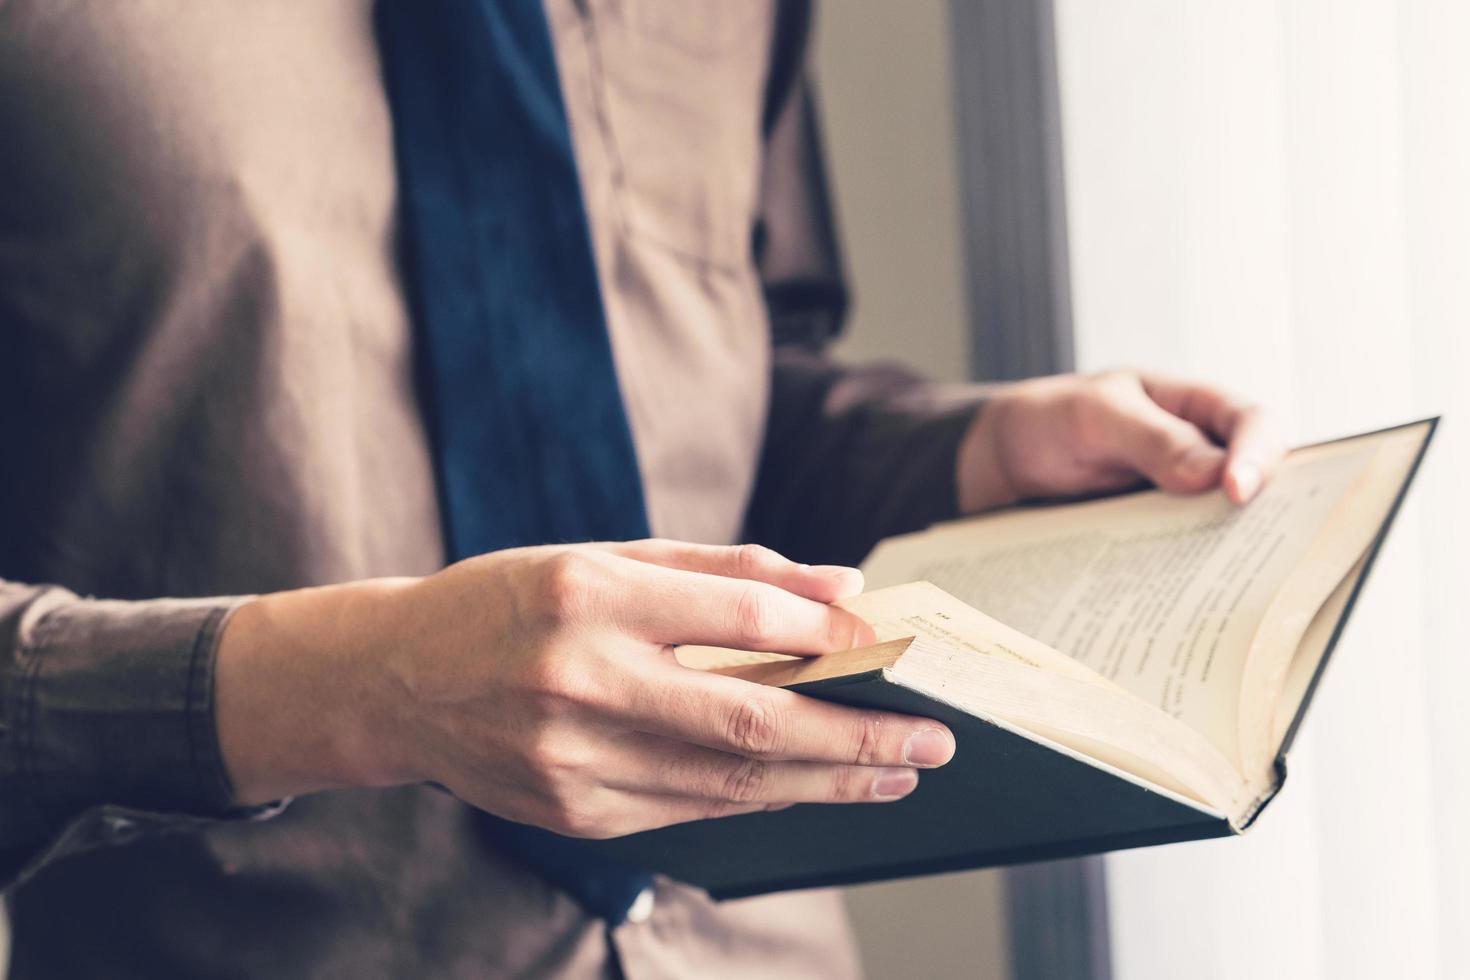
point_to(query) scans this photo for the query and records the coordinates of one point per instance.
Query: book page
(922, 609)
(1350, 531)
(1158, 593)
(1309, 654)
(914, 609)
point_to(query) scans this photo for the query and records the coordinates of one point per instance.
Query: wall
(883, 80)
(883, 75)
(1274, 196)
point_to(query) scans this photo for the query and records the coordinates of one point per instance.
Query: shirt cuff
(109, 725)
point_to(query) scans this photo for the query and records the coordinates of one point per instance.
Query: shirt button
(642, 907)
(118, 826)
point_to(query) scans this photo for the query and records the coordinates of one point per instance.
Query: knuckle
(1120, 375)
(1159, 443)
(869, 739)
(844, 784)
(747, 782)
(572, 807)
(1084, 417)
(547, 760)
(561, 763)
(569, 586)
(715, 809)
(841, 629)
(755, 728)
(752, 559)
(571, 818)
(1116, 387)
(755, 616)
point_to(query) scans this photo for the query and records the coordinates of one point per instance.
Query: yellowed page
(916, 609)
(1347, 534)
(924, 610)
(1161, 594)
(1309, 654)
(1096, 719)
(986, 666)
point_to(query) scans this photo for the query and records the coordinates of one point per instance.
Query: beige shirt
(207, 389)
(665, 104)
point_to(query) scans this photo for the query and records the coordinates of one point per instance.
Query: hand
(540, 684)
(1074, 434)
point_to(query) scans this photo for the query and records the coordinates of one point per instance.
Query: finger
(759, 722)
(1252, 449)
(1254, 455)
(660, 765)
(650, 811)
(1172, 452)
(823, 583)
(683, 809)
(670, 605)
(609, 812)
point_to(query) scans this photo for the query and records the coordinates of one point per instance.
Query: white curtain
(1276, 195)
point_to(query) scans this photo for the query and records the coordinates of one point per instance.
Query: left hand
(1074, 434)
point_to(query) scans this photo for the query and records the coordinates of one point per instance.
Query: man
(215, 220)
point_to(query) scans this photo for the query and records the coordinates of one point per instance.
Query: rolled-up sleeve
(107, 725)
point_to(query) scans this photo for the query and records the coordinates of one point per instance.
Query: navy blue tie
(531, 440)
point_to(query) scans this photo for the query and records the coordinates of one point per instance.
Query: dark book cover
(1007, 797)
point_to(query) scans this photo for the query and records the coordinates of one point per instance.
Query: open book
(1136, 675)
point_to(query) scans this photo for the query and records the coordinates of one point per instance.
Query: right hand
(540, 684)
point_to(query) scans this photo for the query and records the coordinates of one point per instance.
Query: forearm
(981, 479)
(536, 684)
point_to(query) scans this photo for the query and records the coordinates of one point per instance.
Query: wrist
(983, 482)
(300, 705)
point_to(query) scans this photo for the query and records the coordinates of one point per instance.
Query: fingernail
(931, 747)
(1199, 462)
(863, 636)
(1247, 477)
(894, 783)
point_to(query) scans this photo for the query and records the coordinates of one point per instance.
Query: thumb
(1171, 452)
